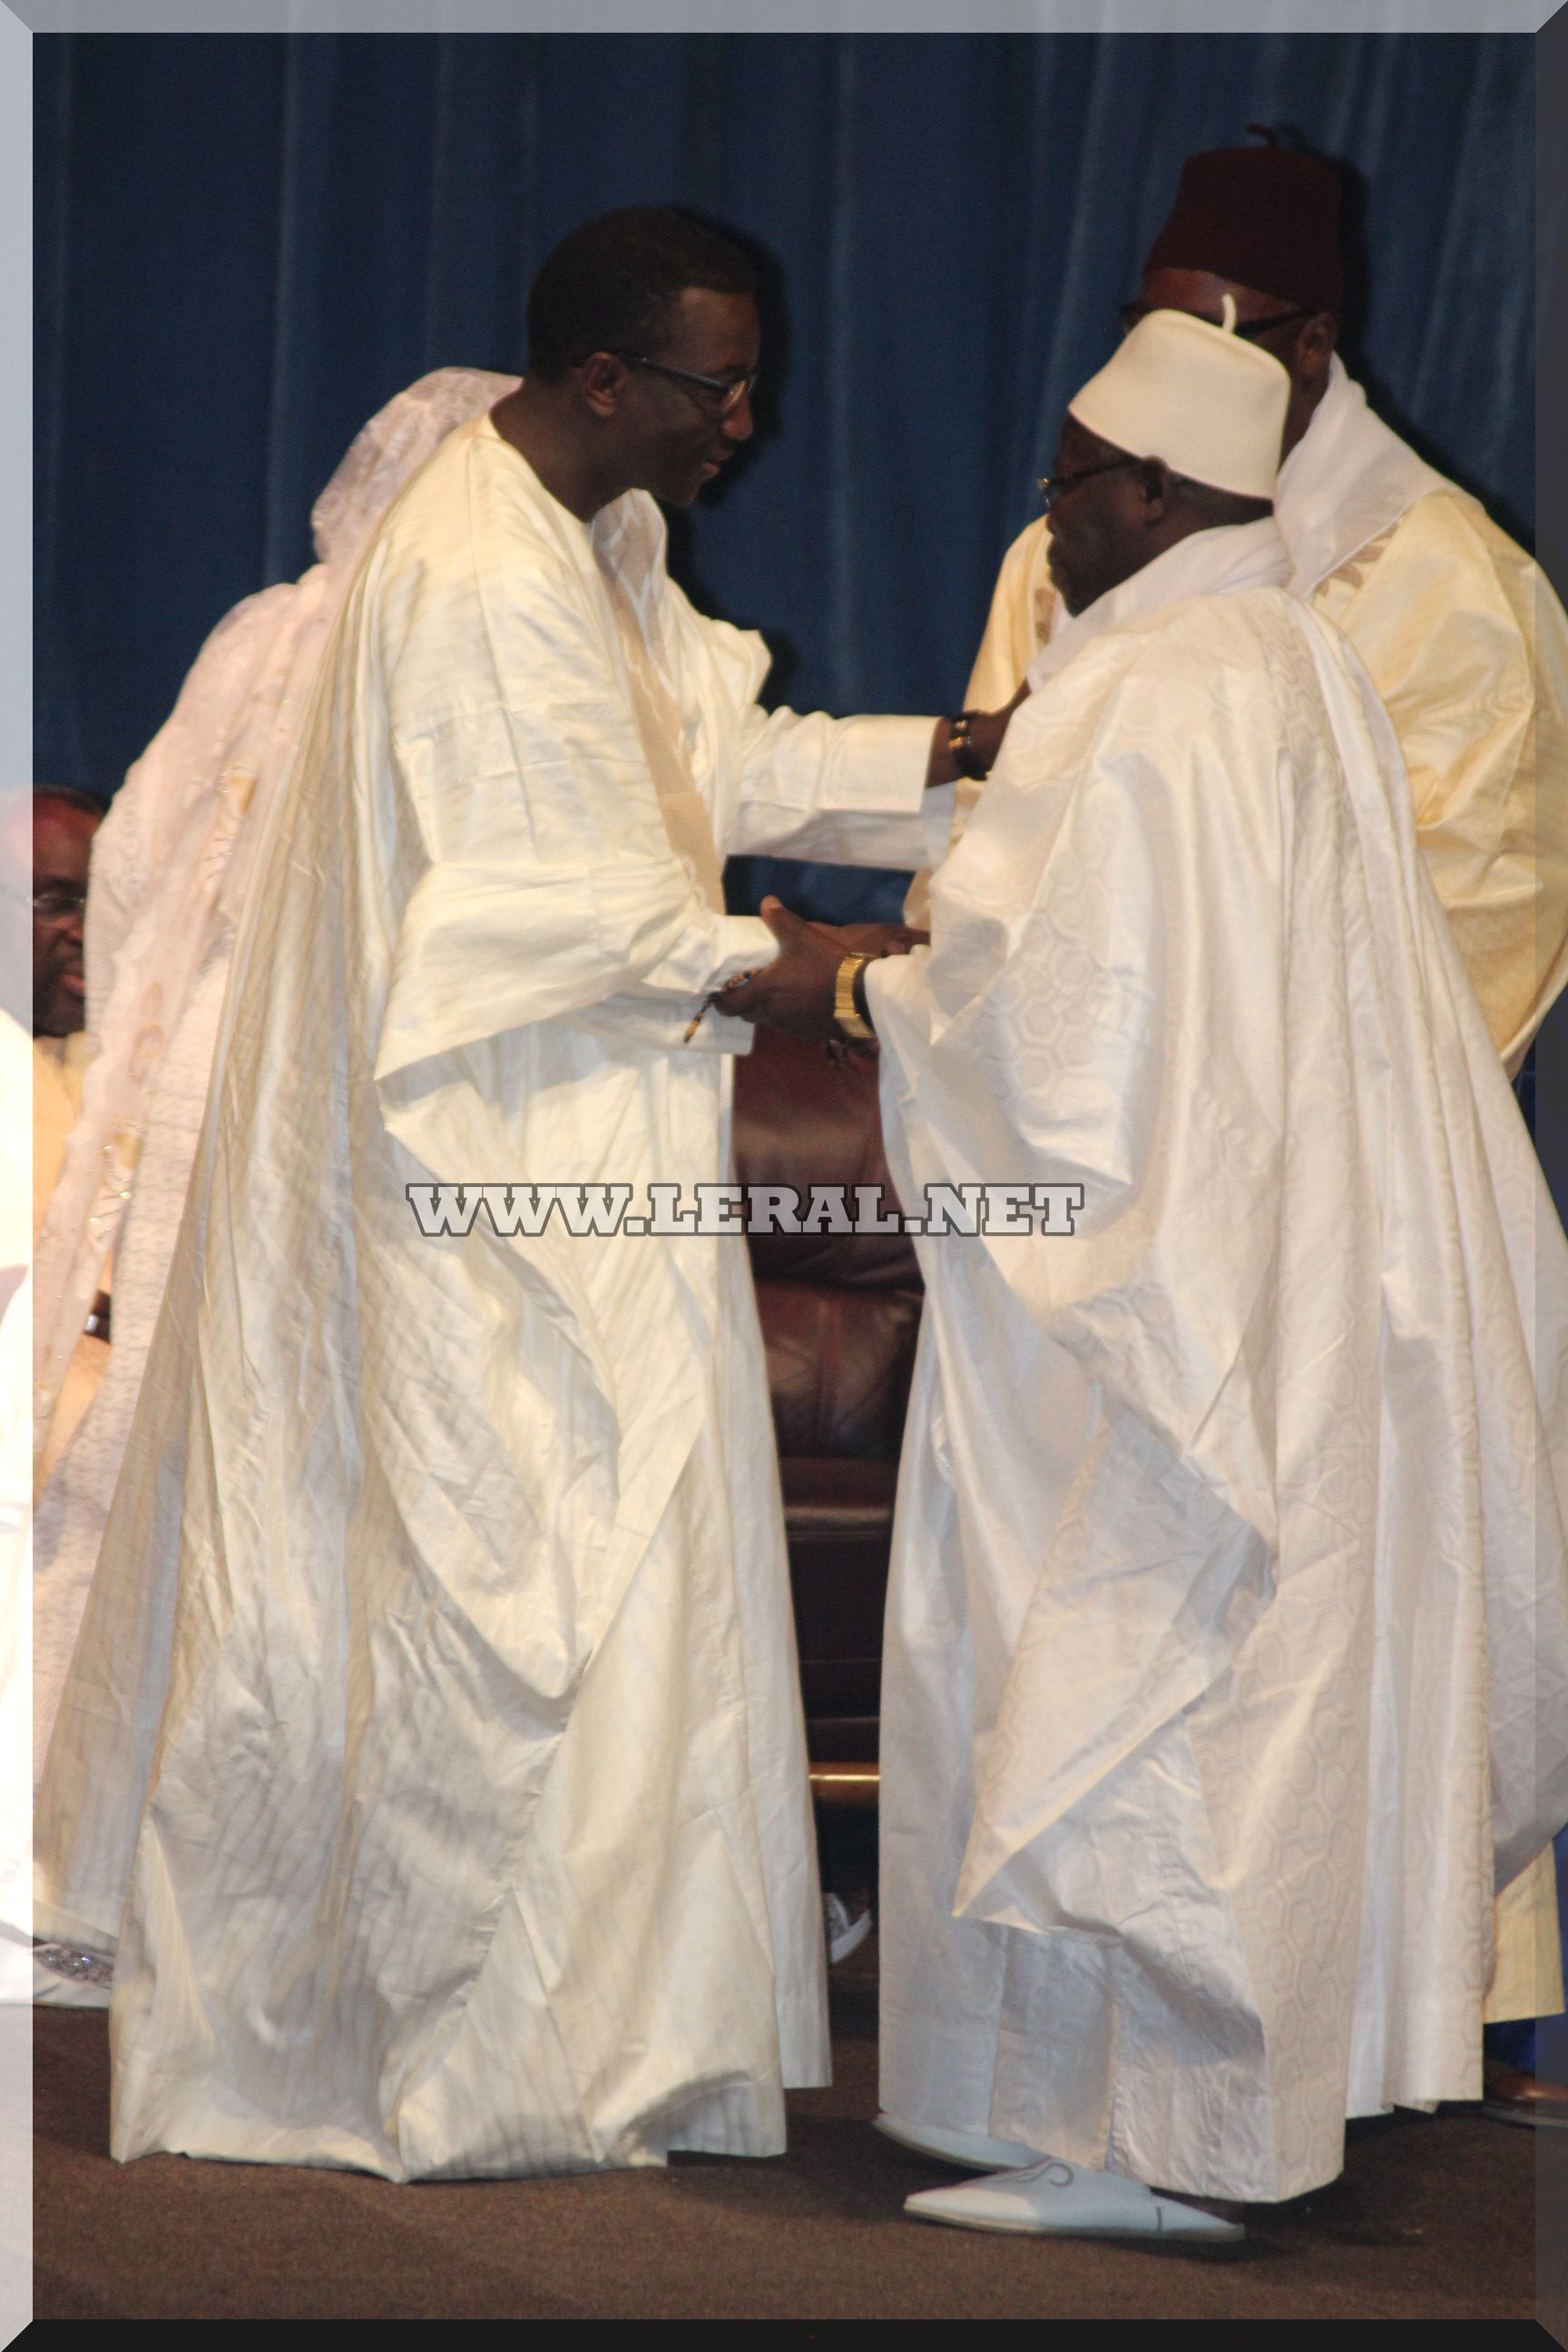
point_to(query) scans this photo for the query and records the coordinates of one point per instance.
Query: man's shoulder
(1201, 637)
(449, 491)
(1165, 677)
(1208, 662)
(1446, 556)
(472, 518)
(1149, 713)
(434, 483)
(1450, 525)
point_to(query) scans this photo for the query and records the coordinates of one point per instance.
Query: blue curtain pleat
(246, 243)
(846, 386)
(64, 739)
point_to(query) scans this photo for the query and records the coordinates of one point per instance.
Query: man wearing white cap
(1467, 647)
(1227, 1634)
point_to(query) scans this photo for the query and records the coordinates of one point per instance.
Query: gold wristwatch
(844, 1011)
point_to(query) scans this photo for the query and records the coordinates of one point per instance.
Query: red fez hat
(1267, 217)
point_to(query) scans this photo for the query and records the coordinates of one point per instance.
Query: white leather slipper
(1054, 2200)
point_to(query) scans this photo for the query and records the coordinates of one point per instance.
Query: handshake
(795, 991)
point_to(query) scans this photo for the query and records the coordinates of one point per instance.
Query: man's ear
(1155, 478)
(604, 382)
(1313, 348)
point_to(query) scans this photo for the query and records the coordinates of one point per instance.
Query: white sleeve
(850, 791)
(549, 889)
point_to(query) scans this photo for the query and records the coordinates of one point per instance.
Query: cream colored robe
(59, 1067)
(18, 1081)
(1226, 1659)
(437, 1689)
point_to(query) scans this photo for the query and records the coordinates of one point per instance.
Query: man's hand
(986, 730)
(872, 939)
(992, 725)
(795, 993)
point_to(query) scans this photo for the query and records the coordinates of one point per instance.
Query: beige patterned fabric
(1227, 1668)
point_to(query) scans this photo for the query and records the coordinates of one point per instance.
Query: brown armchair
(840, 1315)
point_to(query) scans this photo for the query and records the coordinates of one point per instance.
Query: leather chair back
(840, 1313)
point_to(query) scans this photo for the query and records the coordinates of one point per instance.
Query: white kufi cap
(1207, 402)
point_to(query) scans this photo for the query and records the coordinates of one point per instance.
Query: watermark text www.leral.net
(667, 1211)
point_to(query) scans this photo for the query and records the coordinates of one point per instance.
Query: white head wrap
(1203, 399)
(170, 861)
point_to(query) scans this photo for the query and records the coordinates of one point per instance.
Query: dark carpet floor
(1433, 2220)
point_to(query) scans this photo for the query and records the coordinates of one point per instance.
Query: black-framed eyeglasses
(1051, 486)
(729, 393)
(1248, 329)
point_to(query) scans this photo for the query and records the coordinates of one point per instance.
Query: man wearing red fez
(1466, 644)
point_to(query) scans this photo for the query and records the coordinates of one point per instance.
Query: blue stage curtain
(246, 244)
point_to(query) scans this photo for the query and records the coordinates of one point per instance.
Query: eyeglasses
(729, 394)
(1051, 486)
(1248, 329)
(59, 903)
